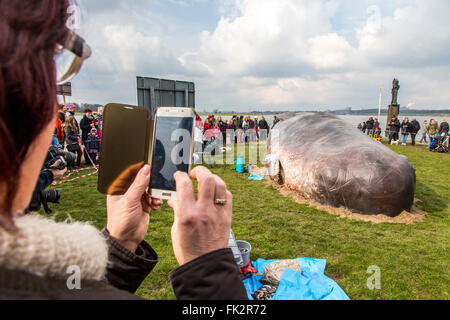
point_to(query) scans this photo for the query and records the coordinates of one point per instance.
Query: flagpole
(379, 108)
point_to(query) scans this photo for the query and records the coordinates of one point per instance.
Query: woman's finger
(206, 183)
(185, 188)
(156, 202)
(220, 189)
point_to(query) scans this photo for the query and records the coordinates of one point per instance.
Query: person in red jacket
(60, 131)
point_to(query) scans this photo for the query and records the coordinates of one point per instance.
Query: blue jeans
(405, 138)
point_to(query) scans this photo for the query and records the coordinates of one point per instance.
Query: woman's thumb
(140, 184)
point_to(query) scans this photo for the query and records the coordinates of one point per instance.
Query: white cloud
(284, 53)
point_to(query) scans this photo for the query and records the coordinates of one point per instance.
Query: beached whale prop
(329, 161)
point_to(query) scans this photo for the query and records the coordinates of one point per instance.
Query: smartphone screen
(171, 150)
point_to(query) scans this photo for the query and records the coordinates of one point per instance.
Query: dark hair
(29, 33)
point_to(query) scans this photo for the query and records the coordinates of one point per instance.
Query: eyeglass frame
(82, 51)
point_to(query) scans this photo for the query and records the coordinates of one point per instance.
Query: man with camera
(42, 196)
(55, 166)
(394, 129)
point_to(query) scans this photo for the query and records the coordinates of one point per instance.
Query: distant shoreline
(355, 115)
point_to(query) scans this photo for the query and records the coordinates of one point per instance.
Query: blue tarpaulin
(256, 177)
(311, 284)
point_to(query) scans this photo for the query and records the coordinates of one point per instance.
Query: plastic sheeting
(311, 284)
(328, 160)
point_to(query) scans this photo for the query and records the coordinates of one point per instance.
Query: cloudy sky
(269, 54)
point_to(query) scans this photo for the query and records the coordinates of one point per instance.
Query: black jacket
(414, 127)
(406, 127)
(214, 276)
(394, 126)
(85, 126)
(369, 125)
(263, 125)
(444, 128)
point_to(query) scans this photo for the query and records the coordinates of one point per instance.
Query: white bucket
(245, 248)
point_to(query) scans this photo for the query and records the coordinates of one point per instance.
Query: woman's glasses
(70, 57)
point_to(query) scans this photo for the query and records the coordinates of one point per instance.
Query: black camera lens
(52, 195)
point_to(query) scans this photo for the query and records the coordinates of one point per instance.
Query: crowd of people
(74, 136)
(242, 128)
(371, 127)
(427, 132)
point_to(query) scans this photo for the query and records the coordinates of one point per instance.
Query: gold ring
(220, 202)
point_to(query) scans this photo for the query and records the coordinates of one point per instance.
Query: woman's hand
(200, 226)
(128, 215)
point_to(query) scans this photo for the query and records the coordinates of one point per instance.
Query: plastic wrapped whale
(327, 160)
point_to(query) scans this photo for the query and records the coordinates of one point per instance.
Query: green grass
(414, 259)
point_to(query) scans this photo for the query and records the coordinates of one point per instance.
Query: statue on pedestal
(395, 89)
(394, 108)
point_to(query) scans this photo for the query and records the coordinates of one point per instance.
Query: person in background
(72, 134)
(240, 128)
(364, 127)
(198, 143)
(360, 127)
(216, 132)
(414, 130)
(207, 126)
(394, 129)
(223, 126)
(234, 126)
(433, 129)
(406, 130)
(376, 123)
(199, 122)
(424, 132)
(59, 131)
(62, 110)
(443, 129)
(256, 129)
(86, 124)
(370, 126)
(245, 127)
(92, 145)
(71, 110)
(99, 118)
(275, 121)
(263, 125)
(377, 133)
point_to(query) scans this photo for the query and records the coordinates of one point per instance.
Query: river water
(353, 120)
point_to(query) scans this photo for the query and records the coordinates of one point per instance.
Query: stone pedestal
(394, 110)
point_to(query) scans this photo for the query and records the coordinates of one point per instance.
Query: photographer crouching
(55, 166)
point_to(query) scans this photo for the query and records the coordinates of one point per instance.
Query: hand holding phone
(128, 214)
(200, 225)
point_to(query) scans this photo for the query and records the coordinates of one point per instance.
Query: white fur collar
(46, 248)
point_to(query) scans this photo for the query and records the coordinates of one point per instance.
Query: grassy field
(414, 259)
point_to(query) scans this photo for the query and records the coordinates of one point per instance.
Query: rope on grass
(64, 179)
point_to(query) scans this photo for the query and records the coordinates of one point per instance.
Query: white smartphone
(172, 149)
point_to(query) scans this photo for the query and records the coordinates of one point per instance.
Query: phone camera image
(171, 150)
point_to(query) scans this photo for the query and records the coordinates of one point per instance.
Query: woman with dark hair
(42, 259)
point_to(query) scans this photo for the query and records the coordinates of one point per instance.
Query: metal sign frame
(153, 93)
